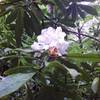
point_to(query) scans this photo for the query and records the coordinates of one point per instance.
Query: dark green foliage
(19, 26)
(20, 23)
(88, 9)
(11, 17)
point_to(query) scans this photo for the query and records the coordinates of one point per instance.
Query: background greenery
(27, 76)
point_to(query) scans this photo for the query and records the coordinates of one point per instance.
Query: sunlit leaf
(84, 57)
(13, 82)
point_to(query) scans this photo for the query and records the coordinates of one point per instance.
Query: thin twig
(76, 33)
(79, 37)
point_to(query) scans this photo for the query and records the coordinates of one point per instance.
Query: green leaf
(37, 11)
(28, 25)
(84, 57)
(4, 13)
(89, 9)
(16, 70)
(5, 8)
(55, 64)
(81, 13)
(27, 50)
(74, 12)
(35, 22)
(61, 5)
(19, 26)
(13, 82)
(68, 64)
(97, 69)
(11, 17)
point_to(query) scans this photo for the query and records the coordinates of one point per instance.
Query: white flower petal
(44, 31)
(63, 46)
(41, 38)
(95, 84)
(73, 72)
(59, 32)
(51, 37)
(36, 46)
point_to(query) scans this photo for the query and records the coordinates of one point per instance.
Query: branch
(75, 33)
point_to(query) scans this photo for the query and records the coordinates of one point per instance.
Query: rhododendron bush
(49, 50)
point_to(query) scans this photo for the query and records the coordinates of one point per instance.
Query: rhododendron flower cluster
(52, 40)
